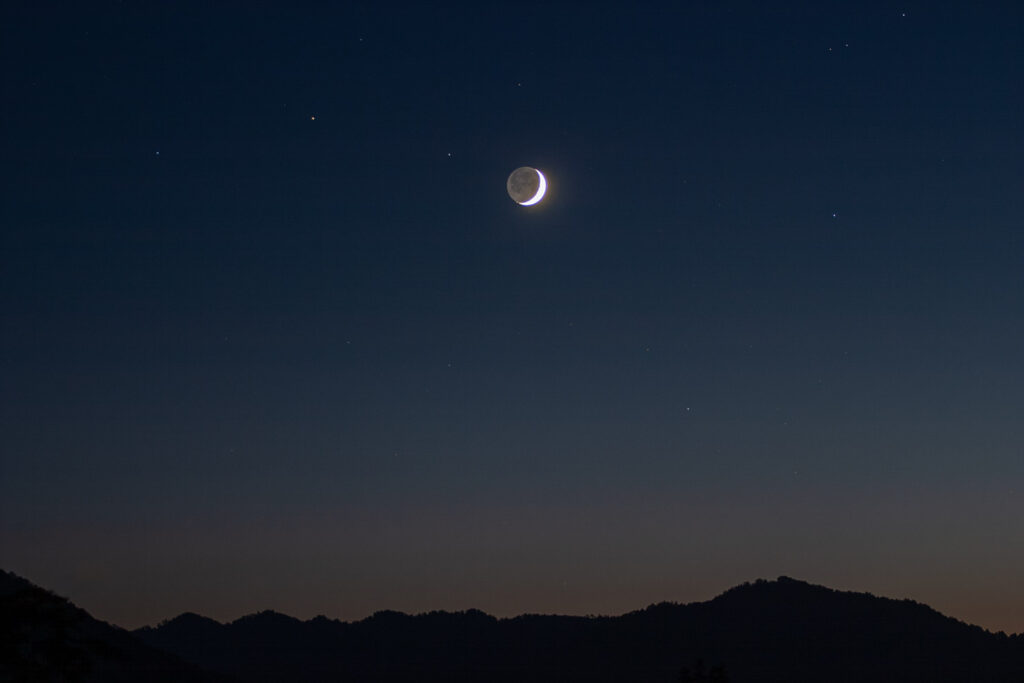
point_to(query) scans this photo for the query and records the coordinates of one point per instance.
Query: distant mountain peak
(187, 623)
(267, 616)
(192, 618)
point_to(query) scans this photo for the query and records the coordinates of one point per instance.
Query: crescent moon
(541, 189)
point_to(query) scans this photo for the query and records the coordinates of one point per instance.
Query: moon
(526, 186)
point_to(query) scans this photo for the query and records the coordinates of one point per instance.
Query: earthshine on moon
(526, 186)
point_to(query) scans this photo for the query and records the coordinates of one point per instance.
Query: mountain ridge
(729, 592)
(764, 632)
(780, 630)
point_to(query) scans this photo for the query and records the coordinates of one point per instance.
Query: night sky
(275, 336)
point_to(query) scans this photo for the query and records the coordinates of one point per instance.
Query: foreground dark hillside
(765, 632)
(44, 637)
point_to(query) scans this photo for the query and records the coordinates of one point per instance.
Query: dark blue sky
(274, 336)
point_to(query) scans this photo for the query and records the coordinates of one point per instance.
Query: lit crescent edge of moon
(541, 189)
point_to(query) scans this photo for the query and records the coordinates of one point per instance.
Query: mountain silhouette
(44, 637)
(764, 632)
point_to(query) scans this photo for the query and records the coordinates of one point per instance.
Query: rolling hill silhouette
(765, 632)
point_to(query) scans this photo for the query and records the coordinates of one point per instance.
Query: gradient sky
(274, 335)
